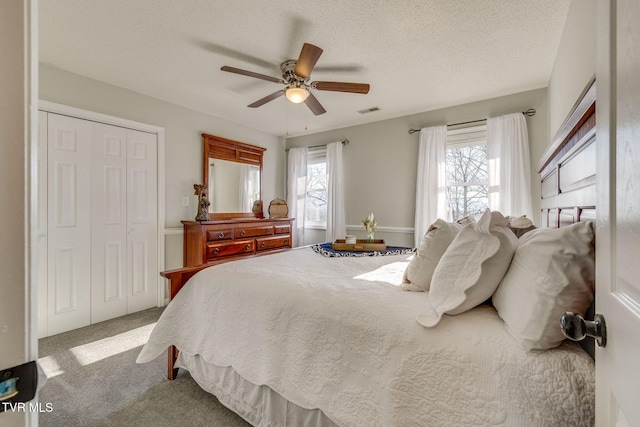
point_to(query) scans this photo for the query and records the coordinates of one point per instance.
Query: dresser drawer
(282, 241)
(216, 235)
(226, 239)
(282, 229)
(217, 250)
(243, 232)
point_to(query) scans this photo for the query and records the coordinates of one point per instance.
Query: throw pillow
(471, 268)
(552, 272)
(417, 276)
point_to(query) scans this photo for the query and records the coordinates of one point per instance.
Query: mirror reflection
(233, 187)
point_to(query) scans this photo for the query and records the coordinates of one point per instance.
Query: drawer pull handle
(216, 251)
(220, 235)
(286, 241)
(267, 231)
(242, 233)
(248, 246)
(282, 230)
(262, 245)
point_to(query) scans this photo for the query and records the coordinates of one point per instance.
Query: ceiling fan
(295, 77)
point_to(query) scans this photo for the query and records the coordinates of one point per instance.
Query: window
(467, 172)
(316, 195)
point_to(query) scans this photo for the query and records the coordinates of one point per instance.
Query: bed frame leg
(172, 353)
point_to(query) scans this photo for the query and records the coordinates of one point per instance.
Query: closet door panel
(68, 223)
(109, 222)
(142, 221)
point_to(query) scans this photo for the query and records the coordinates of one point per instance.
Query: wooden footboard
(177, 279)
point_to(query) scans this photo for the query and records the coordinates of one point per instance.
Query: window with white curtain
(316, 194)
(466, 168)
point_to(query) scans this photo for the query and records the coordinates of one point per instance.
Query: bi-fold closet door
(101, 228)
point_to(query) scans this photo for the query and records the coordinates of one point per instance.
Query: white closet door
(69, 223)
(108, 222)
(142, 221)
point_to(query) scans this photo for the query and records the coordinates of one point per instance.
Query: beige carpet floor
(93, 380)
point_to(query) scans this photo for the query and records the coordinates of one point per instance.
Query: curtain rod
(344, 142)
(530, 112)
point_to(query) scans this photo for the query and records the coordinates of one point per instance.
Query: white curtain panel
(246, 204)
(296, 191)
(336, 224)
(431, 185)
(509, 165)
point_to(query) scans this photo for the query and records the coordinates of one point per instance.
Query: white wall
(17, 337)
(575, 63)
(183, 141)
(381, 161)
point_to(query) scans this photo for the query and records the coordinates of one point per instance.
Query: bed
(299, 339)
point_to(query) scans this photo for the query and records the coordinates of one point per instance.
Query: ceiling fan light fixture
(296, 80)
(297, 94)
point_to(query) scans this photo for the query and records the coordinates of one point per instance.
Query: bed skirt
(259, 405)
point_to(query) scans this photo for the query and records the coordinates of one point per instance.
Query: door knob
(576, 328)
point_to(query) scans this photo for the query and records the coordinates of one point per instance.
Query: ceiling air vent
(369, 110)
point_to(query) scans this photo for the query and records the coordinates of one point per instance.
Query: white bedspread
(340, 335)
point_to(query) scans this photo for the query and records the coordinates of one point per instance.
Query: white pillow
(520, 225)
(471, 268)
(417, 276)
(552, 272)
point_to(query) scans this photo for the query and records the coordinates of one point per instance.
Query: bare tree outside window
(467, 180)
(316, 200)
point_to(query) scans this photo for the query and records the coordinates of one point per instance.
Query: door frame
(52, 107)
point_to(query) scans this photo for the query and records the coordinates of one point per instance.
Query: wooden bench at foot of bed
(177, 279)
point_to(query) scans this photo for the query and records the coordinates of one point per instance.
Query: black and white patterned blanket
(325, 249)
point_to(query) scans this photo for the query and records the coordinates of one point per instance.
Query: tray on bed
(360, 245)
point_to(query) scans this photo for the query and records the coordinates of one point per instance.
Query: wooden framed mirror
(232, 171)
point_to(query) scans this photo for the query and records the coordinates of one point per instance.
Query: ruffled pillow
(471, 268)
(417, 276)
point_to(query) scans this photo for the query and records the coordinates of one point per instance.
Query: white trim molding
(401, 230)
(173, 231)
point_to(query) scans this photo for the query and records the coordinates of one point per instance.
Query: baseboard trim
(401, 230)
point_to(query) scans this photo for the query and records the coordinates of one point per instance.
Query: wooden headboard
(568, 175)
(568, 167)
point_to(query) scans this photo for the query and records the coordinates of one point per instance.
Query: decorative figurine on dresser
(200, 190)
(231, 224)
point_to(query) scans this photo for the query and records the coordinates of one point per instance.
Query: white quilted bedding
(340, 335)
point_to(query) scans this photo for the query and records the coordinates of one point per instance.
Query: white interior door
(69, 223)
(142, 221)
(618, 231)
(98, 247)
(108, 222)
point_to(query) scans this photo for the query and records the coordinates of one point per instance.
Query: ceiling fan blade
(314, 105)
(230, 53)
(251, 74)
(342, 87)
(307, 60)
(266, 99)
(347, 68)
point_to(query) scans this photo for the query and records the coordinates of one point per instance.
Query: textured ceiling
(417, 55)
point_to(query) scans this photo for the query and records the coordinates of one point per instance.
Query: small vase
(370, 238)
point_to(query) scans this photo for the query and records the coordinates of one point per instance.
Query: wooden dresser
(207, 241)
